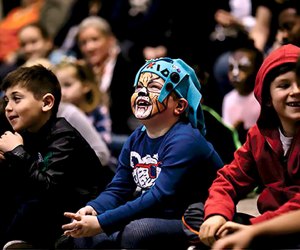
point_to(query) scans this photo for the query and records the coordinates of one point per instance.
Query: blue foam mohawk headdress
(181, 78)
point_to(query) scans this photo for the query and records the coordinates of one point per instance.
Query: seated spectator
(48, 167)
(280, 231)
(240, 109)
(35, 43)
(289, 27)
(79, 87)
(158, 174)
(18, 17)
(78, 119)
(114, 72)
(269, 158)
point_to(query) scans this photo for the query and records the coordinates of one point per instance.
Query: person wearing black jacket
(47, 167)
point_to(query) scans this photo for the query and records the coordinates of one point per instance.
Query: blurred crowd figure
(26, 12)
(79, 87)
(240, 109)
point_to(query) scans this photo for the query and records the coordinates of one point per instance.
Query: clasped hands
(84, 223)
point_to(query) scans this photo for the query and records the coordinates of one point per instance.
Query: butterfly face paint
(144, 101)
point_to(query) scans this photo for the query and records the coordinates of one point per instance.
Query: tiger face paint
(144, 100)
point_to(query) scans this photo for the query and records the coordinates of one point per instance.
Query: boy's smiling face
(285, 98)
(144, 101)
(22, 110)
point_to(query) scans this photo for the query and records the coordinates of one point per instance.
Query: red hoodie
(260, 161)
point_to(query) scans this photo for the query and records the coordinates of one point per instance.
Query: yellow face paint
(144, 101)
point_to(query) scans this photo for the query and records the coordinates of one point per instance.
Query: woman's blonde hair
(97, 22)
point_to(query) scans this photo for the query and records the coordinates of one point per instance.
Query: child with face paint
(269, 158)
(240, 109)
(165, 165)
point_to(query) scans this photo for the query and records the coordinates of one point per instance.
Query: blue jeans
(146, 233)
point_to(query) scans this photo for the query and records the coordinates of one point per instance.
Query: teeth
(143, 102)
(142, 108)
(294, 104)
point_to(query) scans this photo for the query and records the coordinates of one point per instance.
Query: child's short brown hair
(36, 79)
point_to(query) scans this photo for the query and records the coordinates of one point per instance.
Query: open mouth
(293, 104)
(142, 107)
(143, 103)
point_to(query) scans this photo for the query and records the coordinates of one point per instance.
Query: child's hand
(209, 228)
(81, 225)
(238, 240)
(229, 227)
(87, 210)
(9, 141)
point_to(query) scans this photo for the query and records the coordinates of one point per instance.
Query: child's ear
(48, 102)
(181, 106)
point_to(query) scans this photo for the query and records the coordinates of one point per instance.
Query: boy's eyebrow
(12, 94)
(15, 92)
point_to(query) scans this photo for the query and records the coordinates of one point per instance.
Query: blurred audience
(224, 138)
(28, 11)
(54, 14)
(114, 74)
(35, 43)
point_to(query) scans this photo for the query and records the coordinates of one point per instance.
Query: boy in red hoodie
(269, 158)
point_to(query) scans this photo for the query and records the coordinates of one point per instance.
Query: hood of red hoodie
(285, 54)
